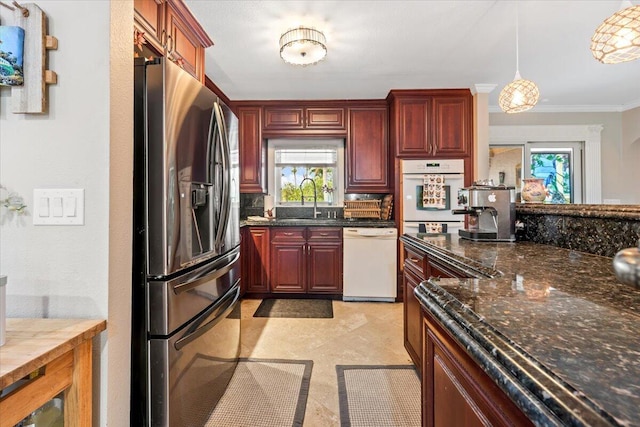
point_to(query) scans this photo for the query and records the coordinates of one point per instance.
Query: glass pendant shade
(617, 39)
(519, 95)
(303, 46)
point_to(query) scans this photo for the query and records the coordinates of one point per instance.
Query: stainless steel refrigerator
(186, 271)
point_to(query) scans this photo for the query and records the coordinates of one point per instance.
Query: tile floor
(360, 333)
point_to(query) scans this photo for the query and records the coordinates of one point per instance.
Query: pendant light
(519, 95)
(617, 39)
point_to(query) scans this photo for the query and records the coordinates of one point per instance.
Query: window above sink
(290, 161)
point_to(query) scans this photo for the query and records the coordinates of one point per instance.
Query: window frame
(297, 143)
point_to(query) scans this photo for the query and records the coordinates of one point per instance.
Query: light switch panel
(58, 206)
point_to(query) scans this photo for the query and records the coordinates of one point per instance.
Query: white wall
(63, 271)
(630, 152)
(617, 167)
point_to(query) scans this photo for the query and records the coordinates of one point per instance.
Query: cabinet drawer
(318, 233)
(287, 234)
(415, 261)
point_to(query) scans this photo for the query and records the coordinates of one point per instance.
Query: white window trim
(590, 134)
(272, 144)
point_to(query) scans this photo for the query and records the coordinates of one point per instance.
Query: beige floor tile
(360, 333)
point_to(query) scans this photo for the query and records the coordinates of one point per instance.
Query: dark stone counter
(320, 222)
(555, 330)
(596, 229)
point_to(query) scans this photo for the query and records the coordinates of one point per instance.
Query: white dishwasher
(369, 264)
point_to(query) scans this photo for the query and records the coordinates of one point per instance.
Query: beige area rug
(379, 396)
(264, 393)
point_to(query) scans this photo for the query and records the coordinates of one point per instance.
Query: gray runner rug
(379, 396)
(264, 393)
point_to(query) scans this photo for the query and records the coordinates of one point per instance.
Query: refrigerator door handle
(209, 275)
(226, 203)
(199, 327)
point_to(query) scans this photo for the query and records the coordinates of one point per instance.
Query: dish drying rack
(362, 209)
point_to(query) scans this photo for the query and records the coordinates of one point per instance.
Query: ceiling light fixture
(303, 46)
(519, 95)
(617, 39)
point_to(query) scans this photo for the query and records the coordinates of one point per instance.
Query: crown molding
(482, 88)
(575, 108)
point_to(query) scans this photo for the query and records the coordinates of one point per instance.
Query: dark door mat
(379, 396)
(295, 308)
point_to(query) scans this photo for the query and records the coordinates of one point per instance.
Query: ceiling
(376, 46)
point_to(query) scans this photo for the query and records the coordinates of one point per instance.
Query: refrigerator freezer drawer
(172, 303)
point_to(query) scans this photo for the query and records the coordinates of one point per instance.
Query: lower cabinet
(255, 255)
(306, 260)
(455, 390)
(412, 318)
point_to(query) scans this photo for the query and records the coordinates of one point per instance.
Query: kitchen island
(553, 328)
(42, 358)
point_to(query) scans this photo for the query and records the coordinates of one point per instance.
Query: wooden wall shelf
(31, 97)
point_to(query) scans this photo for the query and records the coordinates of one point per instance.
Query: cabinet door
(325, 267)
(283, 118)
(182, 46)
(288, 260)
(455, 390)
(451, 126)
(412, 318)
(255, 259)
(288, 267)
(253, 151)
(324, 118)
(413, 129)
(368, 151)
(149, 15)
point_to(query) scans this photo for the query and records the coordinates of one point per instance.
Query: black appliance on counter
(186, 271)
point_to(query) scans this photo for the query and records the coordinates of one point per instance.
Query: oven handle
(198, 329)
(208, 274)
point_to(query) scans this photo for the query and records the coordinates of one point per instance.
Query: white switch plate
(55, 206)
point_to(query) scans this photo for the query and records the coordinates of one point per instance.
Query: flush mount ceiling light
(519, 95)
(303, 46)
(617, 39)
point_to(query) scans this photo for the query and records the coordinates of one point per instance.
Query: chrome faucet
(316, 212)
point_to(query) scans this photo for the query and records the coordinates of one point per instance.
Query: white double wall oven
(418, 216)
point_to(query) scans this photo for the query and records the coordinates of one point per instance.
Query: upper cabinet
(368, 151)
(253, 150)
(432, 123)
(169, 28)
(306, 119)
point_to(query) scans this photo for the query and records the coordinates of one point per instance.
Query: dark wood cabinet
(255, 259)
(368, 162)
(171, 30)
(302, 118)
(412, 318)
(253, 150)
(414, 272)
(324, 252)
(183, 45)
(455, 390)
(432, 123)
(306, 260)
(149, 19)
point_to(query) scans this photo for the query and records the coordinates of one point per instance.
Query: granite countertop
(319, 222)
(554, 328)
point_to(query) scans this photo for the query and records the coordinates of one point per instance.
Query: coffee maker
(491, 212)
